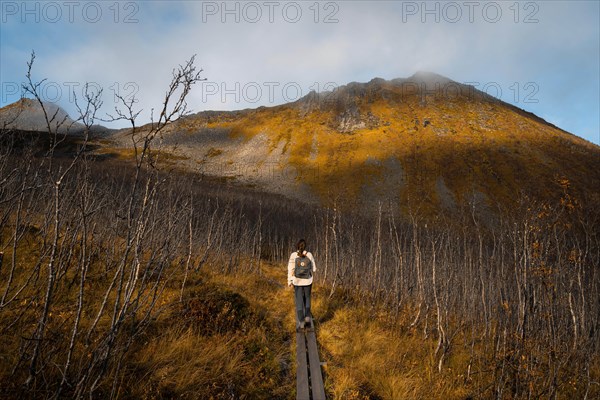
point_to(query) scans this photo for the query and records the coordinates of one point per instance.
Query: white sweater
(292, 265)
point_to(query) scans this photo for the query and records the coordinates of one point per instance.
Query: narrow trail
(273, 295)
(309, 380)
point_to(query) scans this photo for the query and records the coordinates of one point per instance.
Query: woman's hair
(301, 246)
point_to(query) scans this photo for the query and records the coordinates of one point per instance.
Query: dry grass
(232, 337)
(367, 358)
(219, 343)
(183, 364)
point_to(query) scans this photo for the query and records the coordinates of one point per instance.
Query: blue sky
(542, 56)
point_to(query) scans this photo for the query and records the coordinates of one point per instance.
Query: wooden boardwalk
(309, 380)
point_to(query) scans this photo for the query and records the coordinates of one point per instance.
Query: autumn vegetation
(121, 278)
(401, 140)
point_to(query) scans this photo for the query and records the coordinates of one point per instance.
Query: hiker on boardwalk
(301, 267)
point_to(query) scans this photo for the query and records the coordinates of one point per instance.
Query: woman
(301, 267)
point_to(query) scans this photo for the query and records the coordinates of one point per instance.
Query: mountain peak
(428, 76)
(27, 114)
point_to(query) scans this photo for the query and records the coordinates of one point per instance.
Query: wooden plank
(316, 378)
(302, 392)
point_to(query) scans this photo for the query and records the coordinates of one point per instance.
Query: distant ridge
(27, 115)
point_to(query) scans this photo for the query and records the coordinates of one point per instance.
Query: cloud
(267, 46)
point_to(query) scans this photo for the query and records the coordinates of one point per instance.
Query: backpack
(303, 269)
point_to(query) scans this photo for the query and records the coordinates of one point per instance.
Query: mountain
(422, 142)
(425, 142)
(28, 115)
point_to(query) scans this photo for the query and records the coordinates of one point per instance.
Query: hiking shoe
(302, 325)
(307, 320)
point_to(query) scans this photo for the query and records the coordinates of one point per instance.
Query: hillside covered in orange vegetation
(425, 142)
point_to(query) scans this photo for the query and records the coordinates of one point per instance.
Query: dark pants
(302, 295)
